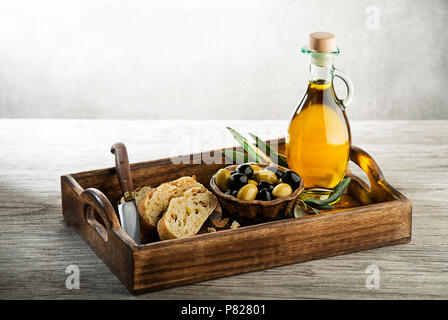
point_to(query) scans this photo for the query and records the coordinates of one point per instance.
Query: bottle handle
(349, 84)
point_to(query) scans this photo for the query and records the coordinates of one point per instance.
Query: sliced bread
(140, 194)
(157, 201)
(186, 214)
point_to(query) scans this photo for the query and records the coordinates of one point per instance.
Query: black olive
(263, 184)
(245, 169)
(275, 170)
(264, 195)
(291, 178)
(237, 180)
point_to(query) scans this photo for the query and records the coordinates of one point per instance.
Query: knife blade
(129, 219)
(127, 211)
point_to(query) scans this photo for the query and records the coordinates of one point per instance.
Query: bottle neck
(321, 68)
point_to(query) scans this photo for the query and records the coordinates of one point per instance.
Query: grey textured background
(203, 59)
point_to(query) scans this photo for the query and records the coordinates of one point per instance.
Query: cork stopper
(322, 41)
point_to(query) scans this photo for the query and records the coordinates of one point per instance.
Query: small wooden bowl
(255, 211)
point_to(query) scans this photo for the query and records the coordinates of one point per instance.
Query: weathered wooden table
(37, 245)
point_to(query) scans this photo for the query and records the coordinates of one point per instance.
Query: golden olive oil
(318, 137)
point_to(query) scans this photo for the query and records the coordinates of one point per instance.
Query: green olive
(255, 183)
(265, 175)
(282, 190)
(248, 192)
(222, 179)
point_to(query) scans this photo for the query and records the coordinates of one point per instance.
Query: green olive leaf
(337, 193)
(299, 212)
(281, 159)
(252, 150)
(315, 210)
(313, 203)
(338, 190)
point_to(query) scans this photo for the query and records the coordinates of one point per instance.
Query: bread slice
(140, 194)
(186, 214)
(157, 201)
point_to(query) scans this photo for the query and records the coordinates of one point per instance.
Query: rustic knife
(127, 211)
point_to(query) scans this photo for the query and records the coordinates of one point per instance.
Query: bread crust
(163, 231)
(145, 228)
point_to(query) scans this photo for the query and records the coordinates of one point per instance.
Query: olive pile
(250, 182)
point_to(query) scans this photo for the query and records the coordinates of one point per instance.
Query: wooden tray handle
(377, 191)
(97, 202)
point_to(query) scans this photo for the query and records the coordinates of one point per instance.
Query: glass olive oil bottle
(318, 138)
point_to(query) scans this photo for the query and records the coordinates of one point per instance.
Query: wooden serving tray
(365, 218)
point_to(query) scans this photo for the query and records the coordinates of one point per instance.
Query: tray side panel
(114, 252)
(178, 262)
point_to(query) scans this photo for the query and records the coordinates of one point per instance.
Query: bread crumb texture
(186, 213)
(156, 202)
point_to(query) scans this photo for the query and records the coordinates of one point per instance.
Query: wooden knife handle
(123, 170)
